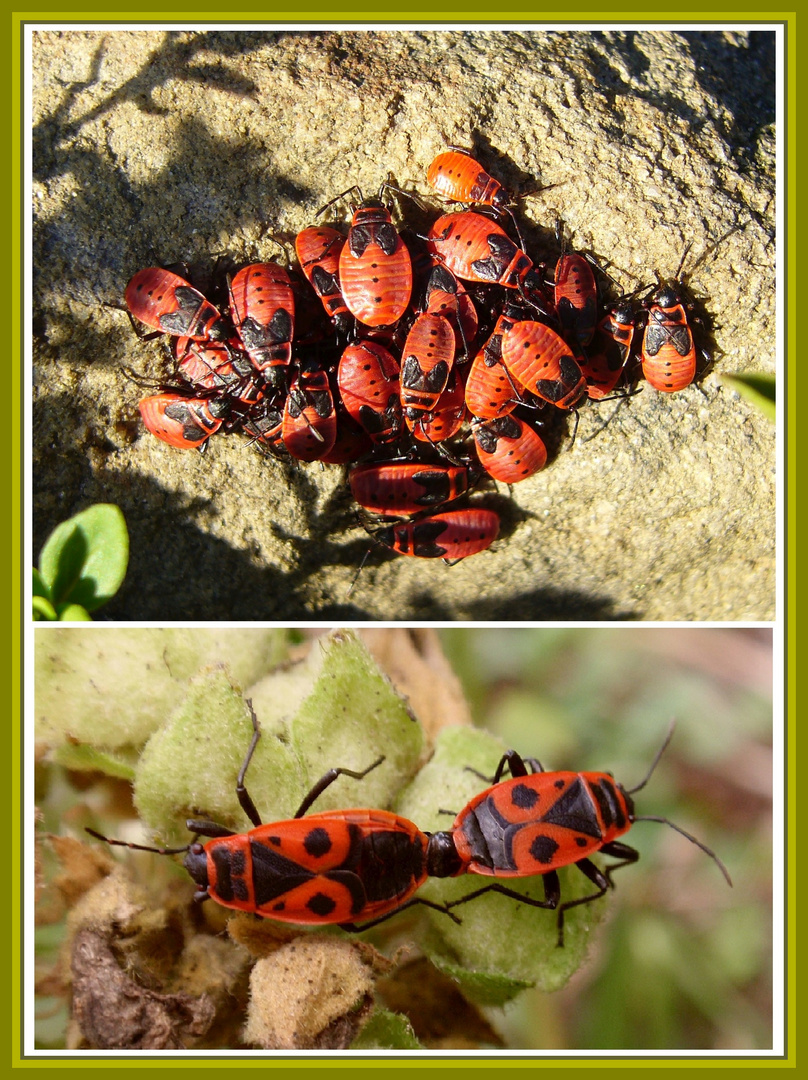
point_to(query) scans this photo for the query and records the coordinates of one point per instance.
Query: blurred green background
(682, 961)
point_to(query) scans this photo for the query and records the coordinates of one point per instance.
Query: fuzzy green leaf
(350, 718)
(189, 767)
(82, 758)
(386, 1030)
(112, 690)
(482, 987)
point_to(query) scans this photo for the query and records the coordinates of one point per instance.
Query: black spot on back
(524, 797)
(543, 850)
(317, 843)
(321, 905)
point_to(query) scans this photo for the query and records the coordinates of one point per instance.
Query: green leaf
(84, 559)
(39, 586)
(43, 609)
(350, 717)
(757, 388)
(189, 767)
(83, 758)
(482, 987)
(344, 714)
(386, 1030)
(113, 690)
(73, 613)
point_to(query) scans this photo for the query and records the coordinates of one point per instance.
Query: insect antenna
(655, 762)
(138, 847)
(665, 821)
(693, 840)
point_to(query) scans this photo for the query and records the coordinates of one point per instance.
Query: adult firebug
(447, 415)
(475, 248)
(264, 426)
(309, 418)
(211, 365)
(445, 295)
(333, 867)
(668, 351)
(537, 822)
(352, 442)
(369, 385)
(490, 389)
(604, 361)
(426, 362)
(575, 294)
(407, 487)
(318, 250)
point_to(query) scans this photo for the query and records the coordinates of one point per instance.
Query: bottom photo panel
(401, 842)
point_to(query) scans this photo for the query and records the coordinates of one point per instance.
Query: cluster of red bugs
(347, 867)
(383, 346)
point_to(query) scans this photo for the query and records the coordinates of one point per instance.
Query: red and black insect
(406, 487)
(508, 449)
(262, 306)
(457, 176)
(333, 867)
(537, 822)
(426, 362)
(209, 365)
(575, 294)
(446, 296)
(452, 535)
(352, 442)
(318, 250)
(369, 385)
(183, 422)
(446, 417)
(540, 359)
(264, 427)
(490, 389)
(309, 418)
(668, 350)
(475, 248)
(375, 269)
(170, 305)
(604, 361)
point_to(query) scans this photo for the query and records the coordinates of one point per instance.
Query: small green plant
(82, 565)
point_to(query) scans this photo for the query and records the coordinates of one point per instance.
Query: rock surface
(154, 146)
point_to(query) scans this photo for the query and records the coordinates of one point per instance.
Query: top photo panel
(448, 325)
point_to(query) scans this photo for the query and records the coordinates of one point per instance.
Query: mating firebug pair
(360, 866)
